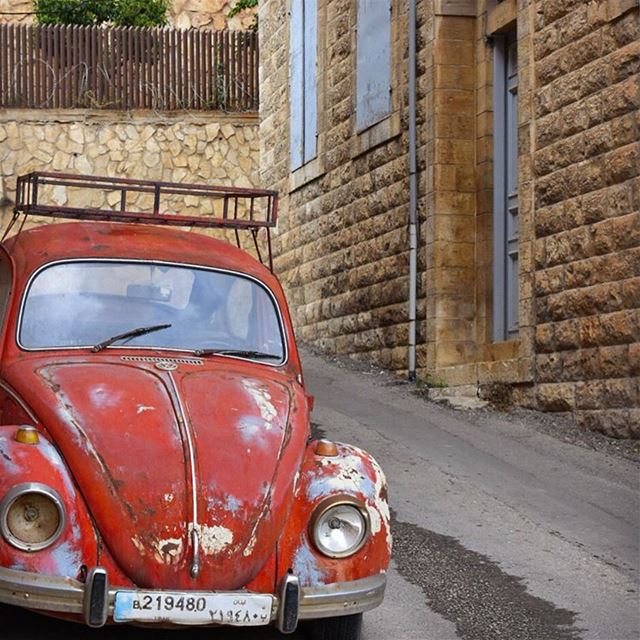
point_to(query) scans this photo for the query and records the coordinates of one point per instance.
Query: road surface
(501, 530)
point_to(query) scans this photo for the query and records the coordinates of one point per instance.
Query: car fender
(351, 474)
(77, 546)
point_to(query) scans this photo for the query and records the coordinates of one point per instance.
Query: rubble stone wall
(210, 14)
(181, 148)
(587, 219)
(16, 11)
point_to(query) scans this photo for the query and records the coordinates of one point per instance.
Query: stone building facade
(528, 150)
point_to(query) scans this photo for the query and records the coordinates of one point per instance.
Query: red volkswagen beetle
(156, 463)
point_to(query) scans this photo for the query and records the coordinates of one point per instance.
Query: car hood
(160, 448)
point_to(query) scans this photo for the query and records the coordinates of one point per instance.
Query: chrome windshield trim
(241, 274)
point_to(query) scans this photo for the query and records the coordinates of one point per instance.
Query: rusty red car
(156, 460)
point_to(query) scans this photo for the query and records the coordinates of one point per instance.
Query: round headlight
(31, 516)
(339, 529)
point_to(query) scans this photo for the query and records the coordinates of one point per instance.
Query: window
(505, 188)
(373, 63)
(304, 92)
(80, 304)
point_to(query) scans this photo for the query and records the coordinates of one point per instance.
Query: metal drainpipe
(413, 194)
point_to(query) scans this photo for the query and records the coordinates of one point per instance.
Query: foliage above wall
(242, 5)
(124, 13)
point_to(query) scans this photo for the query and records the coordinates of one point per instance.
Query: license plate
(237, 609)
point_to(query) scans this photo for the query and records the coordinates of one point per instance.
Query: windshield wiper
(241, 353)
(133, 333)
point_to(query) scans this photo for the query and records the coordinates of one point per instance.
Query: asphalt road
(501, 530)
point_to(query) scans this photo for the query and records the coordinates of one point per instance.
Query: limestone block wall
(181, 148)
(460, 349)
(342, 242)
(587, 218)
(342, 246)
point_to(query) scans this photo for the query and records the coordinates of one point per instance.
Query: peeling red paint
(321, 477)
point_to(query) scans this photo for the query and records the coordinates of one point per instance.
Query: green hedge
(122, 13)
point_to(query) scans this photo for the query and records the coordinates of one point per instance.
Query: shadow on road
(19, 624)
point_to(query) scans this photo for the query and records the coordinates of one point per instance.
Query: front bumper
(65, 595)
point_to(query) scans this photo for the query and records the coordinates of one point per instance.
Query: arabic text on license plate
(238, 609)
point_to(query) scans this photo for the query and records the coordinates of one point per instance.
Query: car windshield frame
(278, 311)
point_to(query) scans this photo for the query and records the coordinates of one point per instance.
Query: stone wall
(211, 14)
(587, 222)
(16, 11)
(342, 242)
(459, 233)
(461, 349)
(181, 148)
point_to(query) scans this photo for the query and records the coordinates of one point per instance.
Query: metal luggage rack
(234, 208)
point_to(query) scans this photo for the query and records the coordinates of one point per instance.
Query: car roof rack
(234, 208)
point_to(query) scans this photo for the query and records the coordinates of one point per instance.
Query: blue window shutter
(297, 84)
(373, 62)
(512, 186)
(505, 189)
(310, 75)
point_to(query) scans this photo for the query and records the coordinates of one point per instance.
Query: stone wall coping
(128, 117)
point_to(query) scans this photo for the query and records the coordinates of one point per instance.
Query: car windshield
(82, 304)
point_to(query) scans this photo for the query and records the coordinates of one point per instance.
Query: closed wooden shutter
(304, 93)
(373, 62)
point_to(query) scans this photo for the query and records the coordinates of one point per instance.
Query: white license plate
(189, 607)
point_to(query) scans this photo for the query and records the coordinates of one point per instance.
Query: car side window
(5, 284)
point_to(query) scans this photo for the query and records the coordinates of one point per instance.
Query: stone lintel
(502, 17)
(455, 8)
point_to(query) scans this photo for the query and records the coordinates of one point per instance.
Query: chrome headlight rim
(7, 502)
(330, 503)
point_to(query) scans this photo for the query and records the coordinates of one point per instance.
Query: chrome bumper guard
(65, 595)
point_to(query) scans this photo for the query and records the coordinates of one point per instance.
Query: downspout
(413, 195)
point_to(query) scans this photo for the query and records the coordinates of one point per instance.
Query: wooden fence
(67, 67)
